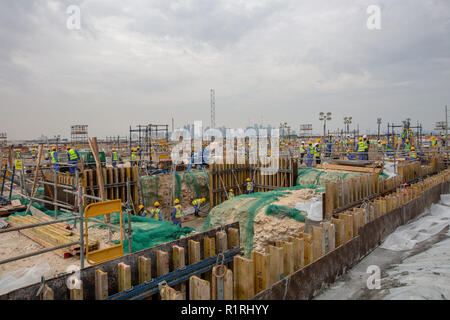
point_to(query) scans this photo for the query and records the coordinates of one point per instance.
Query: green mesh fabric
(244, 208)
(283, 211)
(147, 232)
(315, 177)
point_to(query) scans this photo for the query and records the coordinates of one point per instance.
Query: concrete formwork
(306, 282)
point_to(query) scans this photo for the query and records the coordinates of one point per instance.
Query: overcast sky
(142, 61)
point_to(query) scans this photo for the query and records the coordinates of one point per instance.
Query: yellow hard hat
(231, 190)
(318, 140)
(349, 150)
(53, 148)
(407, 140)
(138, 147)
(360, 138)
(141, 207)
(351, 141)
(156, 204)
(114, 149)
(176, 201)
(248, 179)
(384, 142)
(203, 200)
(309, 142)
(413, 149)
(67, 147)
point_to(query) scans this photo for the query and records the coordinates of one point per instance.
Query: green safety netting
(244, 209)
(197, 182)
(315, 177)
(284, 211)
(147, 232)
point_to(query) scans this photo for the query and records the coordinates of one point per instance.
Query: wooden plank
(168, 293)
(179, 261)
(221, 241)
(348, 226)
(124, 278)
(339, 231)
(222, 283)
(307, 242)
(276, 266)
(101, 284)
(329, 236)
(199, 289)
(209, 250)
(347, 168)
(318, 242)
(144, 269)
(162, 263)
(243, 278)
(233, 238)
(299, 255)
(193, 251)
(288, 257)
(261, 270)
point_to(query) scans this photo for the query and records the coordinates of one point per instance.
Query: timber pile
(223, 177)
(340, 167)
(15, 206)
(50, 235)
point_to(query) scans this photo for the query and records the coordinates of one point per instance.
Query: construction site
(277, 217)
(178, 150)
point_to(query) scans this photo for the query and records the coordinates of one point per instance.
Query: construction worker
(361, 147)
(156, 212)
(406, 147)
(18, 160)
(114, 158)
(316, 151)
(309, 154)
(387, 148)
(230, 194)
(366, 147)
(54, 158)
(196, 204)
(412, 155)
(133, 157)
(433, 142)
(350, 155)
(249, 186)
(72, 156)
(302, 150)
(329, 146)
(33, 153)
(443, 140)
(176, 213)
(141, 211)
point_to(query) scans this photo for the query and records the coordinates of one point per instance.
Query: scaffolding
(79, 134)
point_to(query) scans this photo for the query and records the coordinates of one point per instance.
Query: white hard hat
(364, 136)
(303, 142)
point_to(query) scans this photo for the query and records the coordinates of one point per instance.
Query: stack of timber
(13, 207)
(50, 235)
(223, 177)
(114, 180)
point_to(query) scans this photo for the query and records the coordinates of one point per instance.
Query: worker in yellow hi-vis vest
(156, 212)
(176, 213)
(196, 204)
